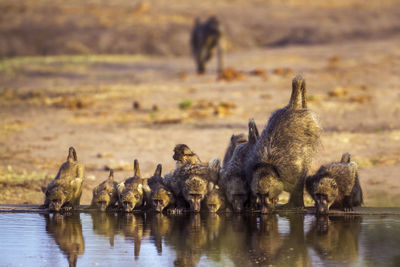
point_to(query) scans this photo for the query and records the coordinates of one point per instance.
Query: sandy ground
(50, 103)
(48, 106)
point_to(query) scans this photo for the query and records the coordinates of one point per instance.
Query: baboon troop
(256, 170)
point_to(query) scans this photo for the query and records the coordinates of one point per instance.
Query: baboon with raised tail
(336, 185)
(205, 39)
(134, 191)
(233, 179)
(286, 147)
(160, 195)
(105, 195)
(65, 190)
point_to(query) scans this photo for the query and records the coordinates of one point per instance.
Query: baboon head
(237, 193)
(183, 154)
(132, 198)
(215, 199)
(56, 199)
(161, 197)
(266, 187)
(325, 194)
(105, 194)
(194, 191)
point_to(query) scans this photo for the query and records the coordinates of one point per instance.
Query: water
(100, 239)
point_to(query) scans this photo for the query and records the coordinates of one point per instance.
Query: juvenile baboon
(191, 178)
(134, 191)
(336, 185)
(65, 190)
(233, 180)
(160, 197)
(287, 144)
(105, 195)
(236, 139)
(215, 199)
(204, 40)
(183, 155)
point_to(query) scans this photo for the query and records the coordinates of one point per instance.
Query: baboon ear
(136, 168)
(346, 158)
(111, 175)
(120, 187)
(253, 131)
(72, 154)
(158, 170)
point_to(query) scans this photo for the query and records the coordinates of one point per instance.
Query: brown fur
(160, 197)
(190, 180)
(204, 40)
(288, 143)
(105, 195)
(133, 192)
(65, 190)
(183, 155)
(335, 184)
(233, 180)
(236, 139)
(215, 200)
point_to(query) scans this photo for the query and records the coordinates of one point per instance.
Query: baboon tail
(298, 93)
(136, 168)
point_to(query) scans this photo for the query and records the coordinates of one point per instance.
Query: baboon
(133, 192)
(336, 185)
(183, 155)
(236, 139)
(105, 195)
(204, 40)
(265, 187)
(233, 180)
(215, 199)
(190, 180)
(65, 190)
(287, 145)
(160, 196)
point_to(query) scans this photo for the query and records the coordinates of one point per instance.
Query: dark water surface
(100, 239)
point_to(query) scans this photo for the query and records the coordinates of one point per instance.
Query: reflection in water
(67, 232)
(335, 239)
(227, 239)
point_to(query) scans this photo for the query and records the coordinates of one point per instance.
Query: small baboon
(236, 139)
(233, 180)
(287, 144)
(105, 195)
(133, 192)
(204, 40)
(190, 180)
(183, 155)
(215, 199)
(65, 190)
(160, 197)
(336, 185)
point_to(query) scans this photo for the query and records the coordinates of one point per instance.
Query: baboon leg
(220, 59)
(296, 199)
(347, 205)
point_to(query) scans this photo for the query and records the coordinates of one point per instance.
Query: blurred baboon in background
(66, 230)
(205, 39)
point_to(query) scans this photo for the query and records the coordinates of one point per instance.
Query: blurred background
(117, 82)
